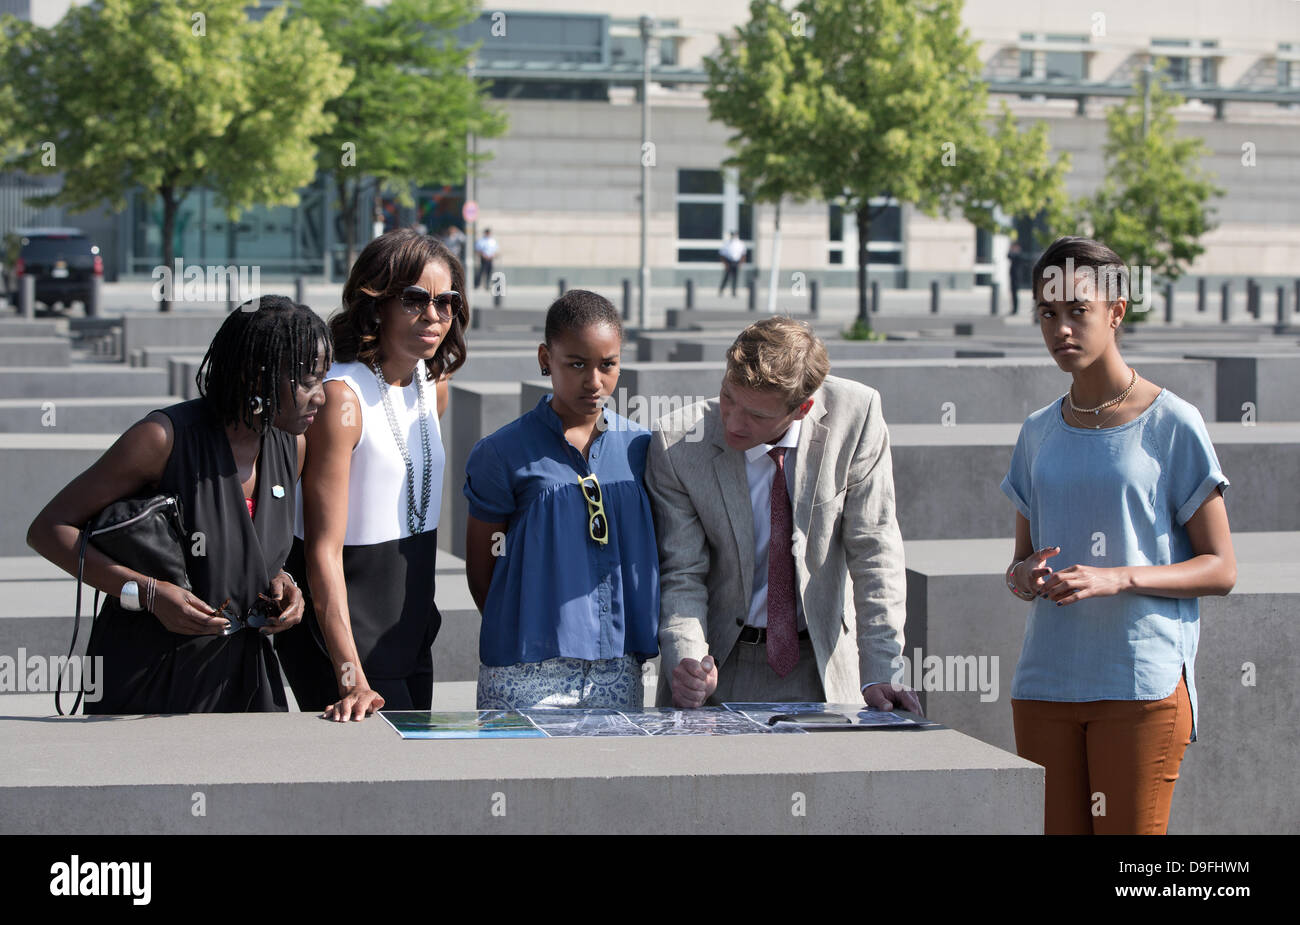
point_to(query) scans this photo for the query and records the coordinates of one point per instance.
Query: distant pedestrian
(733, 255)
(486, 247)
(1015, 273)
(455, 241)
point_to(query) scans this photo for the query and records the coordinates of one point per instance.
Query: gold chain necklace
(1118, 398)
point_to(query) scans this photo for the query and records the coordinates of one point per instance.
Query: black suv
(63, 261)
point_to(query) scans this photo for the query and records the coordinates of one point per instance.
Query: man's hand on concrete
(694, 682)
(886, 696)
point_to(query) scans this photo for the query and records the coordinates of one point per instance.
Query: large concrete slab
(16, 327)
(946, 478)
(77, 415)
(933, 390)
(1239, 777)
(475, 410)
(181, 329)
(86, 380)
(35, 351)
(295, 773)
(1258, 387)
(35, 467)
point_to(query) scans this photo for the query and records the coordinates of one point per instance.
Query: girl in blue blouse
(1120, 528)
(560, 545)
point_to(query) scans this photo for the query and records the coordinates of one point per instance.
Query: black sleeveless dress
(148, 669)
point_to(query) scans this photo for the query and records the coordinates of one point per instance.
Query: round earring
(256, 404)
(546, 370)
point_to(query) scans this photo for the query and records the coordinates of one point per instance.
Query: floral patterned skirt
(611, 683)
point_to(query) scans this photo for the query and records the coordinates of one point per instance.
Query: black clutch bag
(146, 534)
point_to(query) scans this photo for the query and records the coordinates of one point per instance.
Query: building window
(1026, 57)
(885, 246)
(1185, 66)
(1067, 65)
(710, 206)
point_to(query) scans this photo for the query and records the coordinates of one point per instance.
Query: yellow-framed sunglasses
(597, 521)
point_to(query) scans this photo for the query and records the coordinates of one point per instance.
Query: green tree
(405, 118)
(1153, 206)
(755, 86)
(152, 94)
(887, 99)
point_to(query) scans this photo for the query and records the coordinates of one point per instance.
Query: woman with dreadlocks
(232, 457)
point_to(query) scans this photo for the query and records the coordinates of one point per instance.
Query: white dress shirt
(760, 470)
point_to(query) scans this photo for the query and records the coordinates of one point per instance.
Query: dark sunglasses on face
(416, 299)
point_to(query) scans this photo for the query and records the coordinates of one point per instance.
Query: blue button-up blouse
(556, 592)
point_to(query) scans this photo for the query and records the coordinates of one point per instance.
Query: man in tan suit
(766, 500)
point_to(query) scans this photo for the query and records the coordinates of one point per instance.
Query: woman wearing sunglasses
(372, 485)
(560, 544)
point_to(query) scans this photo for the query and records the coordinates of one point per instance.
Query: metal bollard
(690, 293)
(751, 288)
(1200, 295)
(875, 295)
(96, 297)
(562, 287)
(934, 297)
(1281, 305)
(27, 296)
(993, 298)
(1252, 298)
(1169, 303)
(299, 290)
(1225, 307)
(813, 290)
(627, 299)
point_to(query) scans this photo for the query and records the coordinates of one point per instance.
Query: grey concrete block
(15, 327)
(35, 351)
(76, 415)
(920, 390)
(946, 478)
(83, 380)
(182, 329)
(295, 773)
(1237, 778)
(1264, 388)
(181, 372)
(476, 409)
(36, 467)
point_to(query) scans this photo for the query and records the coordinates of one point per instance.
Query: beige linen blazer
(844, 526)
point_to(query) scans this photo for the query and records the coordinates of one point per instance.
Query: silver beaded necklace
(414, 516)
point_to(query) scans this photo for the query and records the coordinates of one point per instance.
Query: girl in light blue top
(1121, 526)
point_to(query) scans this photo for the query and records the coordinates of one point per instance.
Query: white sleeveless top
(377, 479)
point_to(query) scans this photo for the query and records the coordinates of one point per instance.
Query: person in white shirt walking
(733, 255)
(486, 248)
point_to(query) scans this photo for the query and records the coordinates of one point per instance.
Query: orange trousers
(1111, 764)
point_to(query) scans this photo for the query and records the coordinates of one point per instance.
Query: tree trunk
(864, 237)
(776, 261)
(348, 214)
(170, 207)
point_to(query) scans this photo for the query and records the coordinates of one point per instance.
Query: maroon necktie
(782, 637)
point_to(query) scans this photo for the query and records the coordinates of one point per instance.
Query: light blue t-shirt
(1111, 497)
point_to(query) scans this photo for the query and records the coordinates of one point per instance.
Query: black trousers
(732, 273)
